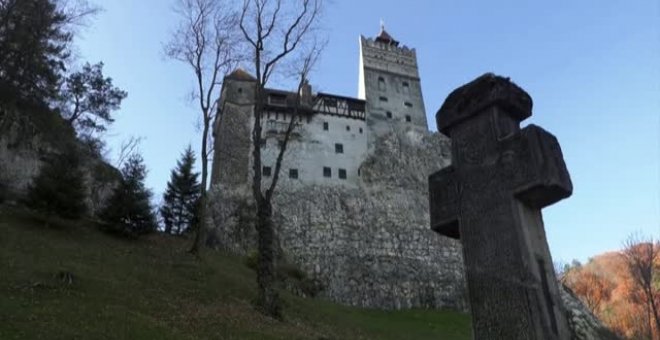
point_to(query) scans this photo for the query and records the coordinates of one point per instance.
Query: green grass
(152, 289)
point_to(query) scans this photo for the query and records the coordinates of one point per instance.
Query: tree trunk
(654, 309)
(268, 299)
(196, 246)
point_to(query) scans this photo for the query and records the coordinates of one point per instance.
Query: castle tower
(232, 129)
(390, 84)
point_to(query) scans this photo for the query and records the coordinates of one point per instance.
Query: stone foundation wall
(369, 246)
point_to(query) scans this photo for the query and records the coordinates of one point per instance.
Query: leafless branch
(126, 149)
(206, 40)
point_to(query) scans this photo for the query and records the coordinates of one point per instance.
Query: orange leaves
(617, 287)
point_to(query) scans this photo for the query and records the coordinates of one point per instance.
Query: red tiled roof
(385, 37)
(240, 74)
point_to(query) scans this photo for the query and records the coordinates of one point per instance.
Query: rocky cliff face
(369, 246)
(584, 325)
(28, 136)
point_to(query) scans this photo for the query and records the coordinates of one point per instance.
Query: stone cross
(491, 198)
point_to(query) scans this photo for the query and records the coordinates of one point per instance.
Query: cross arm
(444, 200)
(547, 180)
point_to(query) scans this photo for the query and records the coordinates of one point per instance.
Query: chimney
(306, 93)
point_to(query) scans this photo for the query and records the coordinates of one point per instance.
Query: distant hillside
(70, 281)
(604, 284)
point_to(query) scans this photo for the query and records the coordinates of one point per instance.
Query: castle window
(383, 99)
(389, 114)
(240, 90)
(342, 173)
(339, 148)
(406, 87)
(266, 171)
(327, 172)
(408, 119)
(360, 130)
(293, 173)
(381, 83)
(348, 128)
(325, 126)
(407, 104)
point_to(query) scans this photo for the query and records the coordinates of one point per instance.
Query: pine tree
(129, 209)
(179, 210)
(34, 46)
(59, 189)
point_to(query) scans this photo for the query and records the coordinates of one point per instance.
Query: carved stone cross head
(491, 199)
(491, 154)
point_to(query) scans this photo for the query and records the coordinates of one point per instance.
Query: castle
(331, 140)
(352, 203)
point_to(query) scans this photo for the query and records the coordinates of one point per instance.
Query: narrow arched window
(381, 83)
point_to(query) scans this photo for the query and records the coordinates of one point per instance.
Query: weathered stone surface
(583, 324)
(28, 138)
(491, 198)
(367, 246)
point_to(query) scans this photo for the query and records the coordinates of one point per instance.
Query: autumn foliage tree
(593, 287)
(615, 287)
(641, 257)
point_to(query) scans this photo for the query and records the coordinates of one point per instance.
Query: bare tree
(641, 254)
(126, 149)
(205, 40)
(275, 32)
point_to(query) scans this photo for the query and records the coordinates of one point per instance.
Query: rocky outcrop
(29, 135)
(584, 325)
(368, 246)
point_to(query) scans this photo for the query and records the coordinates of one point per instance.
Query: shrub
(59, 189)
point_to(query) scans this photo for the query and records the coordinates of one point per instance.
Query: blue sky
(592, 68)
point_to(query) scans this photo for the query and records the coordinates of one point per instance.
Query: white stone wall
(312, 148)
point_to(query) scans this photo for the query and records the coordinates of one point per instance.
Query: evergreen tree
(179, 210)
(59, 188)
(129, 209)
(34, 47)
(88, 98)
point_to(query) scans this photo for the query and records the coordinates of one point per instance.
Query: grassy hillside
(68, 280)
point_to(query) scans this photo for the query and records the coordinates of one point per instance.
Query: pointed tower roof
(385, 37)
(241, 74)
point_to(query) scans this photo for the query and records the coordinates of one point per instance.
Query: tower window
(360, 130)
(293, 173)
(327, 172)
(407, 104)
(342, 173)
(383, 99)
(381, 83)
(240, 90)
(266, 171)
(348, 128)
(406, 87)
(339, 148)
(408, 119)
(388, 114)
(325, 126)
